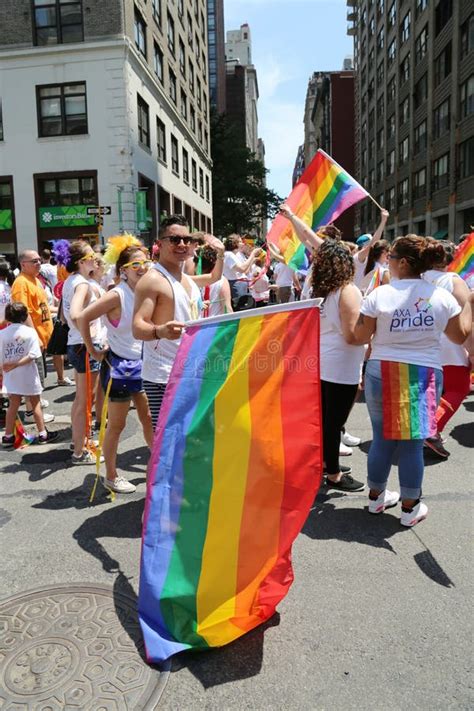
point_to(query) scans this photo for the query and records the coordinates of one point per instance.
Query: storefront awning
(440, 234)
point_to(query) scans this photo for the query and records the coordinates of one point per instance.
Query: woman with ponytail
(405, 320)
(122, 362)
(376, 270)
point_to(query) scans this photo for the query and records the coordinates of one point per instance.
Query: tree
(241, 199)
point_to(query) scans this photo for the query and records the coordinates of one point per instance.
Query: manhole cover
(74, 647)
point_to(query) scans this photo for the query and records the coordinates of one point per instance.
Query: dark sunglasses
(177, 240)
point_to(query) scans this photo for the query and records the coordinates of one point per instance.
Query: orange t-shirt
(29, 291)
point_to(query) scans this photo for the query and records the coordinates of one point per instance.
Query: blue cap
(363, 239)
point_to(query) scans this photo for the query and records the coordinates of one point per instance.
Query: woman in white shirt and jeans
(405, 320)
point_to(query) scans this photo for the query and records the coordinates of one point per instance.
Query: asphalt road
(379, 617)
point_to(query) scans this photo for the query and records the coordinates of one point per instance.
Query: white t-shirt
(70, 285)
(17, 341)
(231, 259)
(5, 292)
(411, 316)
(50, 272)
(260, 290)
(451, 353)
(307, 286)
(359, 269)
(340, 362)
(283, 275)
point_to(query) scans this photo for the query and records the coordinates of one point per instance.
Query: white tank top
(119, 337)
(159, 356)
(70, 286)
(451, 353)
(217, 305)
(340, 362)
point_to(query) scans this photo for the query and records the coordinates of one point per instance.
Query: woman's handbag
(125, 374)
(57, 344)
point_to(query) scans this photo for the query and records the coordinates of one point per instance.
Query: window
(380, 171)
(403, 193)
(371, 27)
(391, 89)
(390, 201)
(467, 97)
(185, 166)
(143, 122)
(192, 118)
(391, 52)
(182, 59)
(405, 28)
(380, 74)
(67, 191)
(443, 12)
(391, 126)
(441, 119)
(201, 182)
(161, 140)
(421, 44)
(200, 131)
(57, 22)
(156, 11)
(198, 92)
(140, 33)
(172, 86)
(466, 158)
(206, 141)
(380, 139)
(404, 112)
(467, 37)
(194, 174)
(442, 65)
(403, 151)
(419, 184)
(208, 192)
(370, 89)
(392, 15)
(158, 62)
(62, 109)
(174, 155)
(184, 105)
(371, 150)
(1, 121)
(380, 7)
(191, 76)
(6, 202)
(371, 58)
(380, 40)
(441, 172)
(181, 9)
(197, 48)
(420, 6)
(420, 93)
(420, 138)
(170, 26)
(391, 163)
(405, 69)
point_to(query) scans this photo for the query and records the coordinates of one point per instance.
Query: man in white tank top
(165, 299)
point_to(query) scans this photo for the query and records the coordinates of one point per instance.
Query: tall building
(242, 85)
(216, 49)
(104, 104)
(414, 62)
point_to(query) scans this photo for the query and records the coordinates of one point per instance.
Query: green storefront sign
(6, 220)
(140, 202)
(70, 216)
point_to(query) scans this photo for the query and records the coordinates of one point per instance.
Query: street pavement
(379, 617)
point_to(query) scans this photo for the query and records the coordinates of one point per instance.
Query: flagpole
(375, 202)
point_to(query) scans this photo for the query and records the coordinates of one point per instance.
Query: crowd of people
(386, 309)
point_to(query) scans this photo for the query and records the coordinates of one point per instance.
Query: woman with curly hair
(331, 278)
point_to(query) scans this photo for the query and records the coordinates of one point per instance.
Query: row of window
(179, 165)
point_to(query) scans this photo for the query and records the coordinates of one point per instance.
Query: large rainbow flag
(463, 262)
(235, 467)
(408, 401)
(323, 192)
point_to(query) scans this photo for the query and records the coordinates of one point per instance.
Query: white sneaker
(385, 500)
(86, 457)
(44, 403)
(28, 419)
(66, 381)
(120, 485)
(349, 440)
(411, 518)
(344, 451)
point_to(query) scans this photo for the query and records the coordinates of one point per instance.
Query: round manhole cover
(77, 647)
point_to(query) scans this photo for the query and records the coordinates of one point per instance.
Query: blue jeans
(410, 451)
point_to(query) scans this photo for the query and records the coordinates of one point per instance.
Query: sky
(291, 39)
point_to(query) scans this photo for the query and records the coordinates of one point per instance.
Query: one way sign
(101, 210)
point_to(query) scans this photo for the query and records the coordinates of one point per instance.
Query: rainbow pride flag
(22, 438)
(323, 192)
(408, 401)
(463, 262)
(375, 281)
(235, 467)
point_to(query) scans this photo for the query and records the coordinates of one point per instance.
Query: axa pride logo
(418, 318)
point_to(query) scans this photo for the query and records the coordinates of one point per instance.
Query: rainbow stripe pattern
(409, 401)
(323, 192)
(235, 467)
(463, 262)
(22, 438)
(375, 281)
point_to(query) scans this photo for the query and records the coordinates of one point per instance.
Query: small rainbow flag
(323, 192)
(22, 438)
(375, 281)
(463, 262)
(235, 467)
(409, 401)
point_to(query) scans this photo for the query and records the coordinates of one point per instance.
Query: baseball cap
(363, 239)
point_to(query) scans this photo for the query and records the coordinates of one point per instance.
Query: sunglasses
(138, 264)
(88, 258)
(177, 240)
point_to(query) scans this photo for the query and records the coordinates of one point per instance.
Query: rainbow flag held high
(463, 262)
(22, 438)
(323, 192)
(408, 401)
(235, 466)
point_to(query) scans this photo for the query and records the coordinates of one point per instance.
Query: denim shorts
(76, 356)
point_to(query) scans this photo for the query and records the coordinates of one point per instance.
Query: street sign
(102, 210)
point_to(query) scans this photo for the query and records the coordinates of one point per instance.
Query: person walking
(404, 320)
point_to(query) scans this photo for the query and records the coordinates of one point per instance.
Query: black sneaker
(345, 483)
(342, 469)
(8, 441)
(435, 444)
(47, 438)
